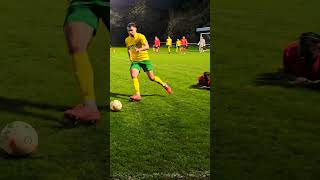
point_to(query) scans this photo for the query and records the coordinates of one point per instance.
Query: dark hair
(132, 24)
(308, 40)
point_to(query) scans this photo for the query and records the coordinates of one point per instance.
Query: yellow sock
(84, 75)
(158, 80)
(136, 85)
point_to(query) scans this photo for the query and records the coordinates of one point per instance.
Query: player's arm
(129, 51)
(129, 54)
(144, 47)
(145, 44)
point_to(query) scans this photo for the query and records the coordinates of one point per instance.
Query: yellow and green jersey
(169, 42)
(178, 43)
(90, 2)
(137, 42)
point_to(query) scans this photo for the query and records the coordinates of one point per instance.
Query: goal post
(206, 34)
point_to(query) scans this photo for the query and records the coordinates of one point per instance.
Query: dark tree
(160, 18)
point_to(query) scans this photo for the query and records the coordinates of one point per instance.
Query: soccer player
(184, 43)
(81, 23)
(302, 58)
(156, 45)
(138, 46)
(201, 44)
(178, 46)
(169, 44)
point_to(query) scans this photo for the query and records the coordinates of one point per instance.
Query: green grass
(163, 134)
(262, 130)
(37, 84)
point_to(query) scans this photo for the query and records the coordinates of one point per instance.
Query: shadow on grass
(5, 156)
(126, 96)
(195, 86)
(281, 79)
(18, 106)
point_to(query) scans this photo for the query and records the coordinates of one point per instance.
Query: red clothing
(157, 42)
(184, 42)
(296, 65)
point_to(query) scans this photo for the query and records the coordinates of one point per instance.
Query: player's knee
(76, 48)
(151, 78)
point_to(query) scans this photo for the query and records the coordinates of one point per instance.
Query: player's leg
(78, 35)
(79, 29)
(148, 68)
(157, 79)
(134, 72)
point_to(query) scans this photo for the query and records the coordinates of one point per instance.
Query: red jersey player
(156, 45)
(302, 58)
(184, 43)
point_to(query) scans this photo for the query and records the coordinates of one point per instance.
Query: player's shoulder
(140, 35)
(127, 38)
(293, 45)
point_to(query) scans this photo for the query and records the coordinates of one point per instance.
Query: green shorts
(89, 14)
(146, 65)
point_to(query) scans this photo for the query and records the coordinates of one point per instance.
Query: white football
(115, 105)
(19, 138)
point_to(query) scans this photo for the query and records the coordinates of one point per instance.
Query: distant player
(178, 46)
(80, 25)
(156, 45)
(201, 44)
(169, 44)
(138, 46)
(302, 58)
(184, 43)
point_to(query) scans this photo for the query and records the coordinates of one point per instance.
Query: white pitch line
(199, 175)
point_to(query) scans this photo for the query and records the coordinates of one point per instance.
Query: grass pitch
(163, 135)
(264, 129)
(37, 85)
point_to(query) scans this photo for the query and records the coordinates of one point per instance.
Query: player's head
(183, 37)
(132, 29)
(309, 44)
